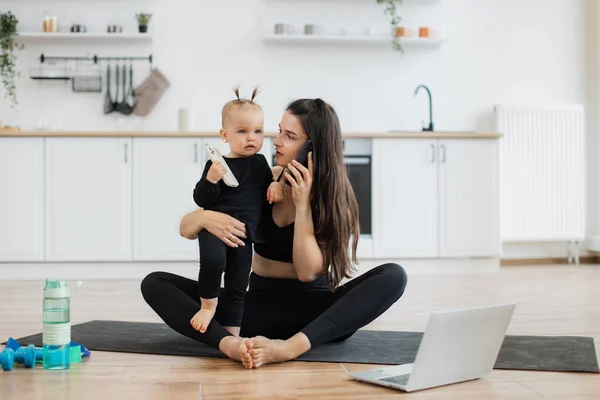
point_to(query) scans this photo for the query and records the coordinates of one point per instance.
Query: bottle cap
(56, 289)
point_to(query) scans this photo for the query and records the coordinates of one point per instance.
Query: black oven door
(359, 173)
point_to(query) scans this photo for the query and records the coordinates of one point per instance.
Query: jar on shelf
(55, 23)
(47, 23)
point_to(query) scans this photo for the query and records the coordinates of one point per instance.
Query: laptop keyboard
(398, 380)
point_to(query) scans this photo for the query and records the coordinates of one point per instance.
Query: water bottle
(56, 334)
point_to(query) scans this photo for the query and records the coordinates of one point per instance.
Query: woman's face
(290, 139)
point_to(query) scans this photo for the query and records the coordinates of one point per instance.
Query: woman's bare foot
(266, 351)
(236, 349)
(203, 317)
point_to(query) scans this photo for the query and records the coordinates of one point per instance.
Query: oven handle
(357, 160)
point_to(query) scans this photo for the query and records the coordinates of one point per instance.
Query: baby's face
(244, 127)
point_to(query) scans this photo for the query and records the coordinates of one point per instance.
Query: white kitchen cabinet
(405, 198)
(165, 172)
(468, 188)
(21, 199)
(435, 198)
(88, 199)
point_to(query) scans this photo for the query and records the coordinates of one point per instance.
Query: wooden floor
(552, 300)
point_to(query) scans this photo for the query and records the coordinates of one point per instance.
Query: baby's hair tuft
(255, 92)
(236, 90)
(239, 102)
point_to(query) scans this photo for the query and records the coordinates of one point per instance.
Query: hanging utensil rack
(65, 73)
(95, 58)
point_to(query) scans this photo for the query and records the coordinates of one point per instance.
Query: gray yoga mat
(536, 353)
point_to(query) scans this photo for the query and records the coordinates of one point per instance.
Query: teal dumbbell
(24, 355)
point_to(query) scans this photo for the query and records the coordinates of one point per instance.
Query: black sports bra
(278, 242)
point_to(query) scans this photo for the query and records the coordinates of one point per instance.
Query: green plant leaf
(8, 58)
(143, 18)
(391, 10)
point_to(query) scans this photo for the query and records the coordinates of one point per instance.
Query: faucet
(430, 127)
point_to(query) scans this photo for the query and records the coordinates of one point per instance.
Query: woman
(294, 301)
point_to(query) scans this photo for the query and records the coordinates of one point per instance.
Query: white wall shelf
(341, 39)
(31, 36)
(406, 2)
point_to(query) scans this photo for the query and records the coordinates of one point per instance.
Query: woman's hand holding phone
(300, 178)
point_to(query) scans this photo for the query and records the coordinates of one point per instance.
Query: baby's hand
(275, 192)
(216, 172)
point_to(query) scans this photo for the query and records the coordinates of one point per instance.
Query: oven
(357, 158)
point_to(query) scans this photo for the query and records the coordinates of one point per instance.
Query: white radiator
(542, 173)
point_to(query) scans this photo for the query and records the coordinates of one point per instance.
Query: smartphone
(302, 157)
(215, 155)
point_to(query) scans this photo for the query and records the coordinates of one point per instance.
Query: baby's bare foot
(266, 351)
(202, 318)
(236, 349)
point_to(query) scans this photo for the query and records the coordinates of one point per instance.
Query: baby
(242, 128)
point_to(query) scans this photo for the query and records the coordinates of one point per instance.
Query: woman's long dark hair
(334, 206)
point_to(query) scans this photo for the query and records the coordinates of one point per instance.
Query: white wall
(501, 51)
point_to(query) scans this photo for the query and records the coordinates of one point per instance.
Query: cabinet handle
(125, 152)
(195, 152)
(432, 153)
(443, 153)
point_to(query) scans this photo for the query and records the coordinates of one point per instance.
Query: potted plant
(391, 10)
(143, 19)
(8, 59)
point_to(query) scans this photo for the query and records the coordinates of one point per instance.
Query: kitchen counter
(145, 174)
(165, 134)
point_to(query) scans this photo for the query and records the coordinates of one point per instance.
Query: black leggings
(280, 308)
(215, 258)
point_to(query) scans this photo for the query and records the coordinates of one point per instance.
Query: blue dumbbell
(25, 355)
(37, 351)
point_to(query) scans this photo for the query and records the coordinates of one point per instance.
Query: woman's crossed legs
(282, 318)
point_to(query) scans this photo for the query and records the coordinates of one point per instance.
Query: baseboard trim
(546, 261)
(138, 270)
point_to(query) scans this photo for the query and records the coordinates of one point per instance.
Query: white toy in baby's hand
(215, 155)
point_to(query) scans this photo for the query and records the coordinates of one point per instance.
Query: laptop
(457, 346)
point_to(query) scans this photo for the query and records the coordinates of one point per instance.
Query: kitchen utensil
(108, 102)
(116, 100)
(131, 95)
(124, 108)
